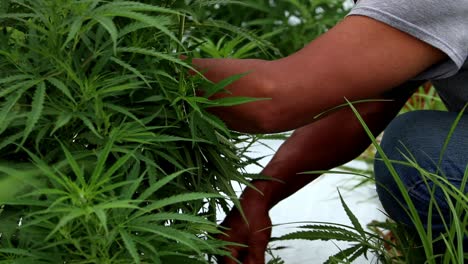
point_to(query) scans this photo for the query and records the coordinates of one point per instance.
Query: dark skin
(340, 129)
(360, 58)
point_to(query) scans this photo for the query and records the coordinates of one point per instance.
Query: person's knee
(417, 139)
(417, 135)
(396, 140)
(404, 141)
(406, 127)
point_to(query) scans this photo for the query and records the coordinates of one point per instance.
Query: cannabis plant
(108, 152)
(288, 24)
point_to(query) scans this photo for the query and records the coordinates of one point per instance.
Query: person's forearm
(325, 144)
(359, 58)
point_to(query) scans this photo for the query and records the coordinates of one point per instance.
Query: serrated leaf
(37, 106)
(177, 199)
(362, 251)
(159, 184)
(24, 202)
(89, 124)
(170, 159)
(43, 191)
(174, 257)
(232, 101)
(184, 238)
(10, 140)
(111, 90)
(6, 110)
(199, 124)
(136, 178)
(130, 68)
(148, 137)
(110, 27)
(123, 111)
(158, 217)
(74, 165)
(62, 87)
(73, 213)
(110, 187)
(101, 215)
(332, 228)
(216, 88)
(16, 251)
(101, 162)
(15, 78)
(138, 6)
(130, 28)
(123, 204)
(74, 28)
(130, 245)
(20, 87)
(320, 235)
(62, 120)
(352, 217)
(117, 165)
(153, 99)
(343, 255)
(158, 22)
(217, 123)
(154, 53)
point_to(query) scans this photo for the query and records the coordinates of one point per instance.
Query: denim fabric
(420, 136)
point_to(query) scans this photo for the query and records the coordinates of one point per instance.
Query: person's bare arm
(328, 143)
(359, 58)
(325, 144)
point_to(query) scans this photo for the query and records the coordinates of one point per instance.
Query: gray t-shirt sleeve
(442, 24)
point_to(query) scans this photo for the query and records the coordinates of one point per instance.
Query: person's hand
(254, 232)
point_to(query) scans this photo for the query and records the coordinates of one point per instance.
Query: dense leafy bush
(108, 154)
(287, 24)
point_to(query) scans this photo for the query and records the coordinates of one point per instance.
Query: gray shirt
(442, 24)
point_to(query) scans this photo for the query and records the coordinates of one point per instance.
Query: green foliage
(425, 98)
(108, 153)
(363, 242)
(406, 244)
(288, 24)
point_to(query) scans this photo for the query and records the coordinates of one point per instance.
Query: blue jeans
(420, 136)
